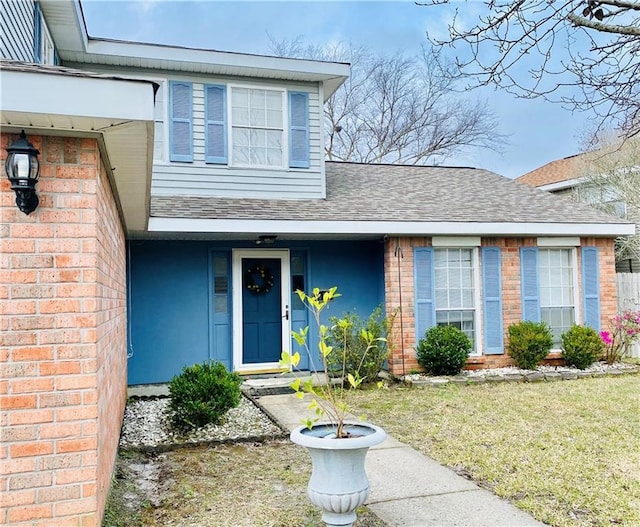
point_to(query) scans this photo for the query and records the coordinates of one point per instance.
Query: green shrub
(361, 359)
(202, 394)
(529, 343)
(443, 350)
(581, 346)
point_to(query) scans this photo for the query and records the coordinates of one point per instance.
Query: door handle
(286, 313)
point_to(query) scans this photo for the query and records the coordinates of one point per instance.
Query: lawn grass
(228, 485)
(567, 452)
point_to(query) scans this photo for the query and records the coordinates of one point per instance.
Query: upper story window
(243, 126)
(43, 49)
(257, 127)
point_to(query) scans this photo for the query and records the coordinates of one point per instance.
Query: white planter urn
(338, 483)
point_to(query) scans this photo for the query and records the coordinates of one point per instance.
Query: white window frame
(285, 126)
(575, 271)
(477, 350)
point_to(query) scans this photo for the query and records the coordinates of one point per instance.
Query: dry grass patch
(567, 452)
(230, 485)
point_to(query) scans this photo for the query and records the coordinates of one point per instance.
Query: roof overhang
(378, 228)
(117, 112)
(562, 185)
(67, 26)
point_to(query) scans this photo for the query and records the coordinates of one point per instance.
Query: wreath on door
(259, 280)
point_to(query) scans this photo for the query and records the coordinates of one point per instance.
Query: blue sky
(539, 131)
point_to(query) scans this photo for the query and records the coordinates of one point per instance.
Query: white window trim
(455, 242)
(559, 242)
(478, 318)
(576, 294)
(285, 126)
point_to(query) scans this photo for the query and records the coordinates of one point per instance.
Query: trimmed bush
(202, 394)
(529, 343)
(443, 350)
(581, 346)
(362, 360)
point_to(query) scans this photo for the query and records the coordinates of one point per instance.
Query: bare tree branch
(561, 50)
(611, 182)
(397, 109)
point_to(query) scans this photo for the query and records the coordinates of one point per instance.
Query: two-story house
(584, 177)
(184, 197)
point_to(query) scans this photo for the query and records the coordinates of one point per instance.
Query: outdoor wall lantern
(23, 169)
(266, 240)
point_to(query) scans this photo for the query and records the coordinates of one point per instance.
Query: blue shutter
(425, 308)
(220, 335)
(298, 129)
(216, 123)
(591, 287)
(180, 121)
(492, 293)
(529, 286)
(37, 33)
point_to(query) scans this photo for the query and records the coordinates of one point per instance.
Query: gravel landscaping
(146, 426)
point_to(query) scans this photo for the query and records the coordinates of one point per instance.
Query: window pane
(240, 116)
(274, 157)
(274, 119)
(240, 97)
(442, 298)
(258, 156)
(274, 100)
(241, 155)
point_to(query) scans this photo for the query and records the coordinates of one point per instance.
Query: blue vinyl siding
(591, 287)
(425, 313)
(298, 129)
(180, 121)
(529, 280)
(216, 123)
(492, 293)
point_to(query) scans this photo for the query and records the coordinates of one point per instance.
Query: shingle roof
(395, 193)
(553, 172)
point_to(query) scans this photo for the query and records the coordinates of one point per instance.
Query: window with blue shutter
(37, 33)
(216, 123)
(424, 306)
(591, 287)
(492, 292)
(529, 284)
(220, 335)
(181, 121)
(298, 129)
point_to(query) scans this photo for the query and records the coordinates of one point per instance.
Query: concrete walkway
(409, 489)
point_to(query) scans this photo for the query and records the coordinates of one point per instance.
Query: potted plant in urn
(338, 483)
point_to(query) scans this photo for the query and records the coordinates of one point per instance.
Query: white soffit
(391, 228)
(118, 111)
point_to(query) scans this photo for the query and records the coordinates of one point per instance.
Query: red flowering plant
(625, 330)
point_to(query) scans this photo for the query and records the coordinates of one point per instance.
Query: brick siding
(63, 339)
(399, 270)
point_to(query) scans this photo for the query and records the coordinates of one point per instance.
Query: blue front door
(261, 310)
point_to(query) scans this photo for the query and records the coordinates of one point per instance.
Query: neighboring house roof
(394, 199)
(556, 171)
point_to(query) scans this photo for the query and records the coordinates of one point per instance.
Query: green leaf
(296, 384)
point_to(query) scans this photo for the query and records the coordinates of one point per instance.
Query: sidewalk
(412, 490)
